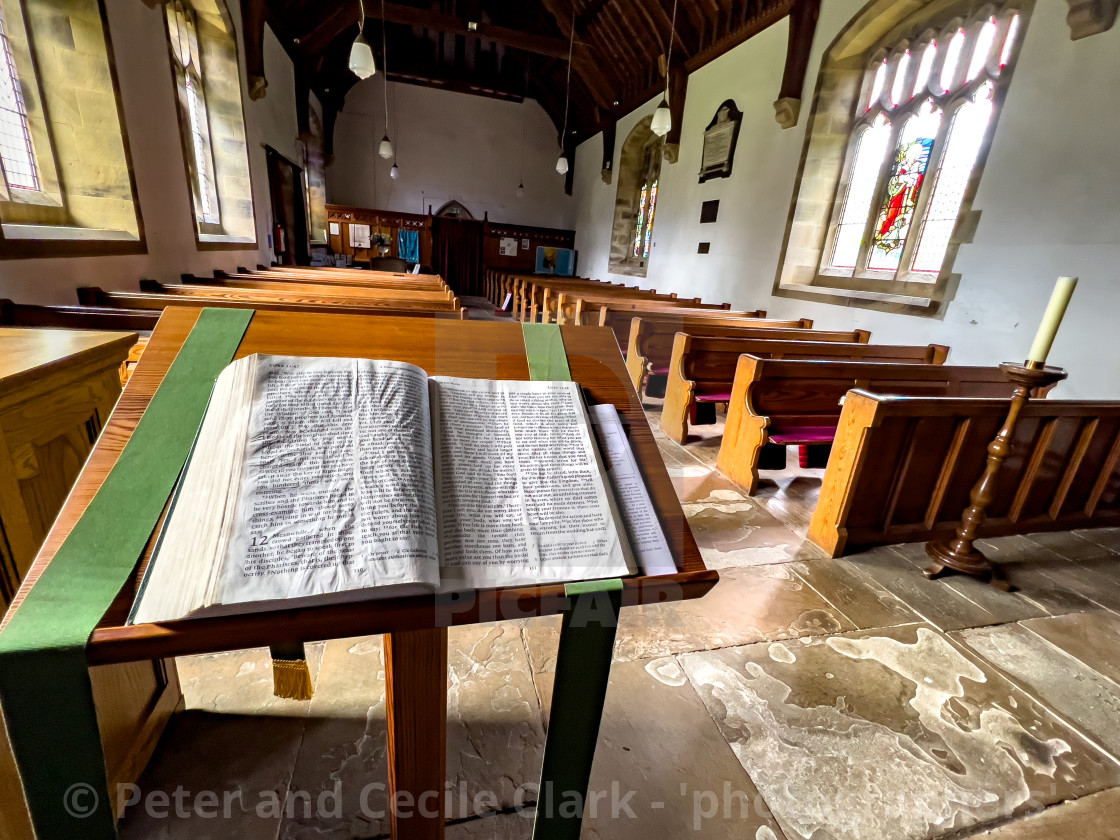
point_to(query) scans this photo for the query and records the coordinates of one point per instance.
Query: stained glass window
(914, 148)
(16, 153)
(641, 221)
(904, 185)
(649, 220)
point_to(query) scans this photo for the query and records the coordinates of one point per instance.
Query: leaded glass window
(646, 199)
(188, 70)
(926, 114)
(16, 153)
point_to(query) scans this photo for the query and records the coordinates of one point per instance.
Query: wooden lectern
(416, 627)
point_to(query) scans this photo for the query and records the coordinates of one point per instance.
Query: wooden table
(415, 627)
(57, 388)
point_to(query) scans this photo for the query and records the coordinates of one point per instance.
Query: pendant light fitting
(662, 122)
(362, 64)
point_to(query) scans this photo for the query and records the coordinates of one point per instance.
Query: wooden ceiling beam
(775, 12)
(802, 28)
(252, 16)
(587, 18)
(451, 24)
(344, 16)
(315, 40)
(680, 28)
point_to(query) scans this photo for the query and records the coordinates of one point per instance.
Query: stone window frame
(47, 222)
(221, 78)
(641, 152)
(822, 176)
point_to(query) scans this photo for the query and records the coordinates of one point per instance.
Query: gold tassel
(291, 679)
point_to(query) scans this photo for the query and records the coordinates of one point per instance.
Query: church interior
(838, 271)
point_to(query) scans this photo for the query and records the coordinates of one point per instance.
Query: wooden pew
(94, 296)
(567, 307)
(702, 368)
(649, 346)
(331, 277)
(798, 402)
(360, 298)
(1064, 473)
(618, 315)
(323, 285)
(555, 302)
(539, 294)
(76, 317)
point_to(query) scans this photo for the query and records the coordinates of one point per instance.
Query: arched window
(208, 88)
(923, 111)
(65, 174)
(187, 61)
(639, 171)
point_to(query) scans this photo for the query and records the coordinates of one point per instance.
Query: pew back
(651, 337)
(703, 368)
(331, 298)
(76, 317)
(798, 401)
(1062, 474)
(94, 296)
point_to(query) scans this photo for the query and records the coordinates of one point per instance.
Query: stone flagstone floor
(802, 699)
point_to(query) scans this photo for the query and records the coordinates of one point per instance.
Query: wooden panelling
(1063, 472)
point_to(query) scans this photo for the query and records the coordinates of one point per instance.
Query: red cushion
(659, 371)
(714, 397)
(802, 434)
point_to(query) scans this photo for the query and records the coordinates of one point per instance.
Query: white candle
(1063, 291)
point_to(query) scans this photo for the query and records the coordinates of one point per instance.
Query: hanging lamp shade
(361, 58)
(395, 172)
(386, 148)
(562, 165)
(662, 120)
(520, 190)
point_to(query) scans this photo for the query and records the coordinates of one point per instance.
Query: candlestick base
(949, 559)
(960, 555)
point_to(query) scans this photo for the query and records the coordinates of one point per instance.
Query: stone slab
(895, 734)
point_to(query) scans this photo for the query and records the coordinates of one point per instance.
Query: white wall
(1049, 201)
(147, 97)
(449, 146)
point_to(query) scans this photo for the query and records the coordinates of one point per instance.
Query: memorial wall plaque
(720, 139)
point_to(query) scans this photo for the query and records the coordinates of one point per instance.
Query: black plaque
(720, 138)
(709, 210)
(704, 248)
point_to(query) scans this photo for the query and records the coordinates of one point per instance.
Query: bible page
(646, 535)
(336, 488)
(521, 496)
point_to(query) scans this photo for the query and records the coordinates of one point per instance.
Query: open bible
(323, 480)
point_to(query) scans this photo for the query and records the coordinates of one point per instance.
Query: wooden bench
(544, 297)
(649, 343)
(1064, 472)
(321, 285)
(567, 306)
(618, 316)
(330, 276)
(783, 402)
(328, 295)
(94, 296)
(702, 368)
(76, 317)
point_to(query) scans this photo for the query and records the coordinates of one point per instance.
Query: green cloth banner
(583, 658)
(544, 350)
(44, 677)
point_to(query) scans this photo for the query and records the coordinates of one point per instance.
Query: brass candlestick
(960, 555)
